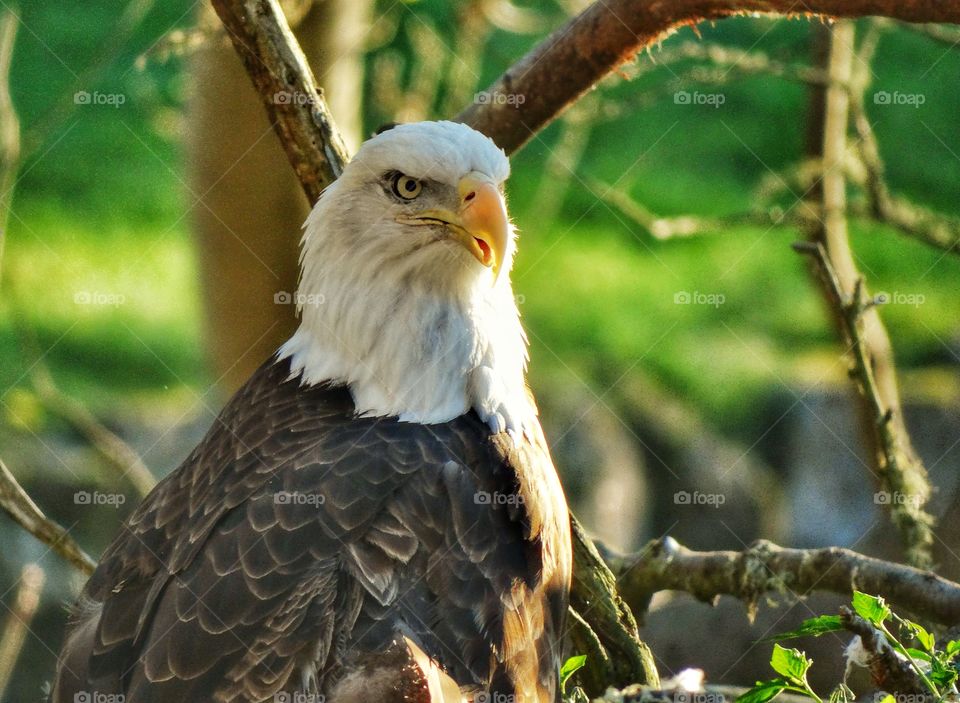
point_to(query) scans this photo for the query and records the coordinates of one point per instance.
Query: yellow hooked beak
(480, 225)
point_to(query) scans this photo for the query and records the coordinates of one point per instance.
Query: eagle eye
(406, 187)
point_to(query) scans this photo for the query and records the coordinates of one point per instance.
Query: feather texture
(299, 545)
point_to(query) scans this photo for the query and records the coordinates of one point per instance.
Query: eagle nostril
(469, 196)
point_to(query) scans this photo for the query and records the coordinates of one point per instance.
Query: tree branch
(18, 505)
(899, 470)
(9, 125)
(604, 621)
(18, 620)
(295, 104)
(117, 453)
(589, 47)
(665, 565)
(609, 34)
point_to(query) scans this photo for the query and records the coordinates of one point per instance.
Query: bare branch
(665, 565)
(9, 125)
(608, 34)
(899, 470)
(19, 506)
(109, 445)
(593, 44)
(723, 63)
(294, 103)
(889, 671)
(18, 620)
(932, 228)
(679, 226)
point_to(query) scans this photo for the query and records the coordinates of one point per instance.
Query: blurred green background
(101, 206)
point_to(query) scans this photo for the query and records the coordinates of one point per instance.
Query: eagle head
(405, 292)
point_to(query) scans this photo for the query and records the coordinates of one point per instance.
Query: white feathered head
(405, 291)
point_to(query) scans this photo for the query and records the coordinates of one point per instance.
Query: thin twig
(18, 620)
(19, 506)
(116, 452)
(764, 567)
(9, 125)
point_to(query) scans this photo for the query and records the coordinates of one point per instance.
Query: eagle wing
(297, 541)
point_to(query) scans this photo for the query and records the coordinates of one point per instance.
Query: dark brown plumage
(302, 550)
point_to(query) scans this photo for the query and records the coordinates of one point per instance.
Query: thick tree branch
(295, 104)
(550, 78)
(608, 34)
(665, 565)
(603, 622)
(19, 506)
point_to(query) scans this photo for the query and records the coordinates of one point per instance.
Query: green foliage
(569, 668)
(814, 627)
(938, 673)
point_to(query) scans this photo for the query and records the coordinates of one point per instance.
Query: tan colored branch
(18, 622)
(665, 565)
(932, 228)
(19, 506)
(899, 470)
(9, 125)
(294, 103)
(107, 444)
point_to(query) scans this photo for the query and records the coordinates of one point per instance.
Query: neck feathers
(410, 336)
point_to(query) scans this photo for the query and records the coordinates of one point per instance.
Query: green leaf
(953, 646)
(763, 691)
(925, 639)
(873, 609)
(814, 627)
(918, 654)
(790, 663)
(569, 668)
(942, 676)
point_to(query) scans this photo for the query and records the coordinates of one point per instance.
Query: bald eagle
(374, 516)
